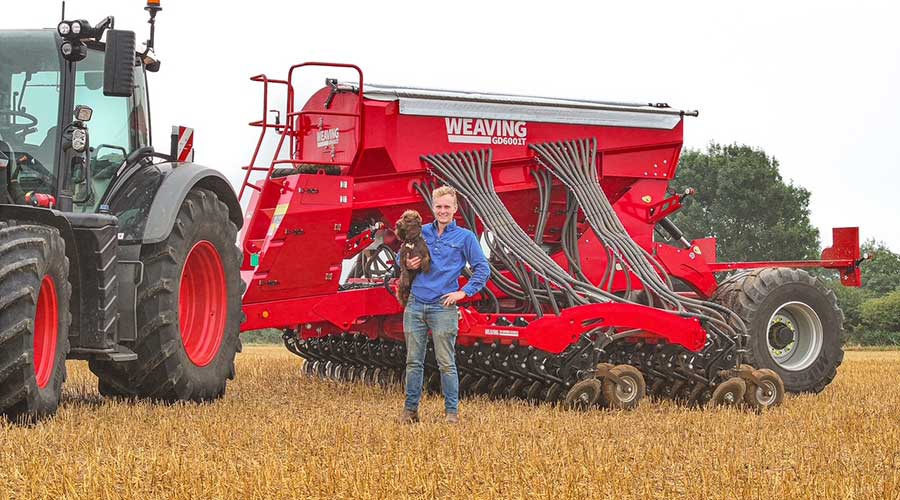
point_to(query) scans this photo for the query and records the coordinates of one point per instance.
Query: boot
(409, 416)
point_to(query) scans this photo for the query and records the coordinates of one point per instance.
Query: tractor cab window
(29, 109)
(117, 128)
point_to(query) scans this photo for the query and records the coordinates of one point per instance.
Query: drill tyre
(769, 298)
(188, 327)
(34, 320)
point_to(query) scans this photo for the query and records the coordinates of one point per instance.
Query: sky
(814, 84)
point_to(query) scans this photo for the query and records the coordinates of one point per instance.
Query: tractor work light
(76, 28)
(79, 140)
(83, 113)
(73, 50)
(64, 28)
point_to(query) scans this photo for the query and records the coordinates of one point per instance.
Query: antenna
(63, 18)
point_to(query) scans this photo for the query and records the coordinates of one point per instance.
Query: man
(432, 305)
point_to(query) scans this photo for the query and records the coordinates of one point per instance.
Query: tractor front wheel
(34, 320)
(189, 310)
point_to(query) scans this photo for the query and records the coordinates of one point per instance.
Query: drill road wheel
(34, 320)
(188, 310)
(764, 390)
(583, 395)
(793, 321)
(729, 393)
(627, 393)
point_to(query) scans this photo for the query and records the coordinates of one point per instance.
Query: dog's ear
(411, 215)
(400, 229)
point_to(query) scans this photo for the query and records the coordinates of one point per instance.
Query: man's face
(444, 208)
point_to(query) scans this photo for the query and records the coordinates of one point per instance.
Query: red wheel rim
(46, 329)
(202, 303)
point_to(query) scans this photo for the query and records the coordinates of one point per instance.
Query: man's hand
(413, 262)
(453, 297)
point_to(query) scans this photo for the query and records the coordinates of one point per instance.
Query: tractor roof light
(64, 28)
(83, 113)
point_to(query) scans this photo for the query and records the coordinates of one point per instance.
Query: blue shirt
(449, 253)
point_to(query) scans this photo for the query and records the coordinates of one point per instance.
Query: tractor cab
(52, 157)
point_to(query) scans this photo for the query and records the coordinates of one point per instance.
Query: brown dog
(409, 230)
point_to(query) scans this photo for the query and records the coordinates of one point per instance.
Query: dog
(409, 230)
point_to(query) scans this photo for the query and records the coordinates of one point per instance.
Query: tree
(743, 201)
(880, 275)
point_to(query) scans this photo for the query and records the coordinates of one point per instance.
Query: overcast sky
(814, 84)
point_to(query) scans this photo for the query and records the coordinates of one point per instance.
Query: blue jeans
(443, 322)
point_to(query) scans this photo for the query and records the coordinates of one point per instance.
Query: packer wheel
(627, 393)
(764, 390)
(729, 393)
(583, 395)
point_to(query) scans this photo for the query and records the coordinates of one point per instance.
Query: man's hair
(444, 191)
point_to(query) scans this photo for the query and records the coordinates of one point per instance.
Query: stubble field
(279, 435)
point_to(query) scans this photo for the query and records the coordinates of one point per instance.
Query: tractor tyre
(188, 312)
(794, 325)
(34, 320)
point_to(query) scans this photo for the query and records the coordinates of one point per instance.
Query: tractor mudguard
(148, 204)
(53, 218)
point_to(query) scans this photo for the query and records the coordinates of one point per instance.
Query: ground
(277, 434)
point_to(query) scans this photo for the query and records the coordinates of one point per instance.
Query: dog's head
(409, 227)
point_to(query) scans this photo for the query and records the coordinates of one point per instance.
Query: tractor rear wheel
(189, 310)
(793, 322)
(34, 320)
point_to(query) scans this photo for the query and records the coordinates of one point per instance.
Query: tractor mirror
(118, 67)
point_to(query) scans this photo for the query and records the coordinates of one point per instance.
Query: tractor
(110, 251)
